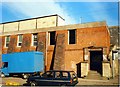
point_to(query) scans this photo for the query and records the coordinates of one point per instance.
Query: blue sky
(70, 11)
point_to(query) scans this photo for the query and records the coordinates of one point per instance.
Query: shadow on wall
(53, 57)
(78, 69)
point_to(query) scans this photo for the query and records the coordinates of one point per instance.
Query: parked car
(54, 78)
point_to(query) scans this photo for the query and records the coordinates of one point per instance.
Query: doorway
(96, 58)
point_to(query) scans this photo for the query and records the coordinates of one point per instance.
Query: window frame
(74, 37)
(33, 39)
(6, 41)
(53, 43)
(18, 41)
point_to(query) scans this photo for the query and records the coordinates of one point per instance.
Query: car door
(57, 78)
(61, 78)
(49, 79)
(45, 79)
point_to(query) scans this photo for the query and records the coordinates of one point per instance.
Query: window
(57, 75)
(20, 40)
(48, 74)
(5, 65)
(34, 39)
(7, 40)
(65, 75)
(52, 38)
(72, 36)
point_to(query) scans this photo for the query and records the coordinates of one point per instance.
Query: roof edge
(33, 18)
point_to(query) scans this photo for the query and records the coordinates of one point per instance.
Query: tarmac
(82, 82)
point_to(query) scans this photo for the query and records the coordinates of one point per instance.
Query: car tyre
(33, 83)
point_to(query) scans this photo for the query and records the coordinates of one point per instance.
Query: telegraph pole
(119, 29)
(119, 24)
(80, 20)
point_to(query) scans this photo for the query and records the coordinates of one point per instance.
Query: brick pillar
(86, 54)
(0, 51)
(42, 44)
(3, 45)
(26, 42)
(59, 52)
(12, 44)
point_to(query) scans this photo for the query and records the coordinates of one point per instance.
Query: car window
(48, 75)
(57, 75)
(64, 74)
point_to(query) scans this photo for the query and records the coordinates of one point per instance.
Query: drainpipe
(113, 51)
(119, 25)
(112, 64)
(46, 49)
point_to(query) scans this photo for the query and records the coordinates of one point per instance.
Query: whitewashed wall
(30, 24)
(11, 27)
(61, 22)
(1, 28)
(46, 22)
(27, 24)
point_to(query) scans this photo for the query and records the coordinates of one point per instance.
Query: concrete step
(94, 75)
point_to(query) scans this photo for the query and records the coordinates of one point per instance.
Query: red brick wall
(73, 57)
(86, 37)
(4, 50)
(42, 44)
(26, 42)
(0, 44)
(12, 44)
(49, 59)
(0, 51)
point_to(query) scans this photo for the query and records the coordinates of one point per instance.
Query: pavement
(91, 82)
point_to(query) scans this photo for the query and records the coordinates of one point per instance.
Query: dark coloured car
(54, 78)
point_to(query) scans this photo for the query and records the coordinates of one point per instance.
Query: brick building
(114, 31)
(78, 47)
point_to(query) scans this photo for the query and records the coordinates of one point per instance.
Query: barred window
(34, 39)
(20, 37)
(7, 40)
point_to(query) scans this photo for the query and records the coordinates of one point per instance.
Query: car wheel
(33, 83)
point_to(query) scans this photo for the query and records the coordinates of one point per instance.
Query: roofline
(33, 18)
(60, 17)
(114, 26)
(49, 29)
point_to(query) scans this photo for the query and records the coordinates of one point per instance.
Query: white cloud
(38, 9)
